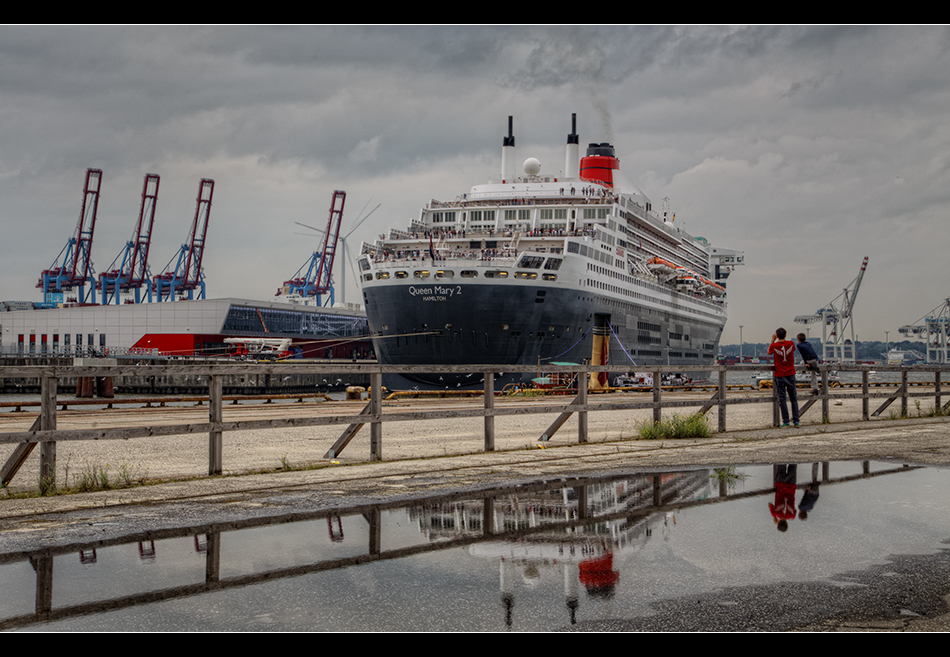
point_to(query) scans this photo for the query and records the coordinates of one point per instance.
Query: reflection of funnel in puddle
(598, 576)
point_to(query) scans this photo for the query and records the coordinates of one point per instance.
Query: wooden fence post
(215, 416)
(865, 400)
(657, 396)
(47, 480)
(825, 406)
(904, 393)
(937, 397)
(489, 405)
(582, 382)
(376, 408)
(722, 400)
(776, 421)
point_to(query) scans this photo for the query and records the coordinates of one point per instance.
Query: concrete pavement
(918, 440)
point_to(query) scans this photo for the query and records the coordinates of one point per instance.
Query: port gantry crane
(188, 276)
(834, 346)
(129, 271)
(317, 281)
(933, 327)
(76, 257)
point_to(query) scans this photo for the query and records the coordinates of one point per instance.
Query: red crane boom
(330, 240)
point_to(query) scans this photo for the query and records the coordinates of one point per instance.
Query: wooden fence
(45, 433)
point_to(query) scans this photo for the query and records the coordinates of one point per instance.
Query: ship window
(469, 273)
(530, 275)
(382, 275)
(553, 264)
(531, 262)
(496, 273)
(445, 273)
(401, 274)
(367, 277)
(364, 264)
(421, 273)
(549, 277)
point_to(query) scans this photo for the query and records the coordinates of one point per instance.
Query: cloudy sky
(807, 148)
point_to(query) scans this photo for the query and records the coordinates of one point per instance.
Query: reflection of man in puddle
(808, 500)
(783, 510)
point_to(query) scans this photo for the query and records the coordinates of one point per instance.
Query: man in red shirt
(784, 377)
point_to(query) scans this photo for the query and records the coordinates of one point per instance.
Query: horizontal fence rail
(45, 433)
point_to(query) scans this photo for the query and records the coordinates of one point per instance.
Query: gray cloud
(807, 147)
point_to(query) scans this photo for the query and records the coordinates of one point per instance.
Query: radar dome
(532, 166)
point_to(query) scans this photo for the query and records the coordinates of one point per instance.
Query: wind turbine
(346, 258)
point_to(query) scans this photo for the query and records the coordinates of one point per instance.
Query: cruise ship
(536, 269)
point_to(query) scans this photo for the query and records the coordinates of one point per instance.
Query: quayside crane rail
(129, 271)
(188, 275)
(933, 327)
(76, 257)
(837, 315)
(319, 268)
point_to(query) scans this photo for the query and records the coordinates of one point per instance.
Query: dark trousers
(785, 385)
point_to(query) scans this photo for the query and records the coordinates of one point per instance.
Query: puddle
(689, 550)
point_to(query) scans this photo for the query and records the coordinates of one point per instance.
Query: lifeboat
(686, 282)
(659, 265)
(710, 288)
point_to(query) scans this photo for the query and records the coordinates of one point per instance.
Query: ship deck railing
(454, 259)
(504, 200)
(577, 403)
(499, 234)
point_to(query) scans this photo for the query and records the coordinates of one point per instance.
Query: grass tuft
(689, 426)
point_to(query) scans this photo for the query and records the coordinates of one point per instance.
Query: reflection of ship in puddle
(591, 527)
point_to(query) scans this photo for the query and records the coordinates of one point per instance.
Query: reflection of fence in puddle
(573, 521)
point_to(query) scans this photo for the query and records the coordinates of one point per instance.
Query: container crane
(291, 286)
(834, 346)
(76, 257)
(187, 275)
(129, 270)
(317, 281)
(934, 329)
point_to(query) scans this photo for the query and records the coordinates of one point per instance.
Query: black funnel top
(601, 149)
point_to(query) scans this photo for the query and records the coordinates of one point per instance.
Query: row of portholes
(465, 273)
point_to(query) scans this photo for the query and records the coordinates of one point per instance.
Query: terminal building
(189, 328)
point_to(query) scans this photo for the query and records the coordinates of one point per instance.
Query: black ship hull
(525, 326)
